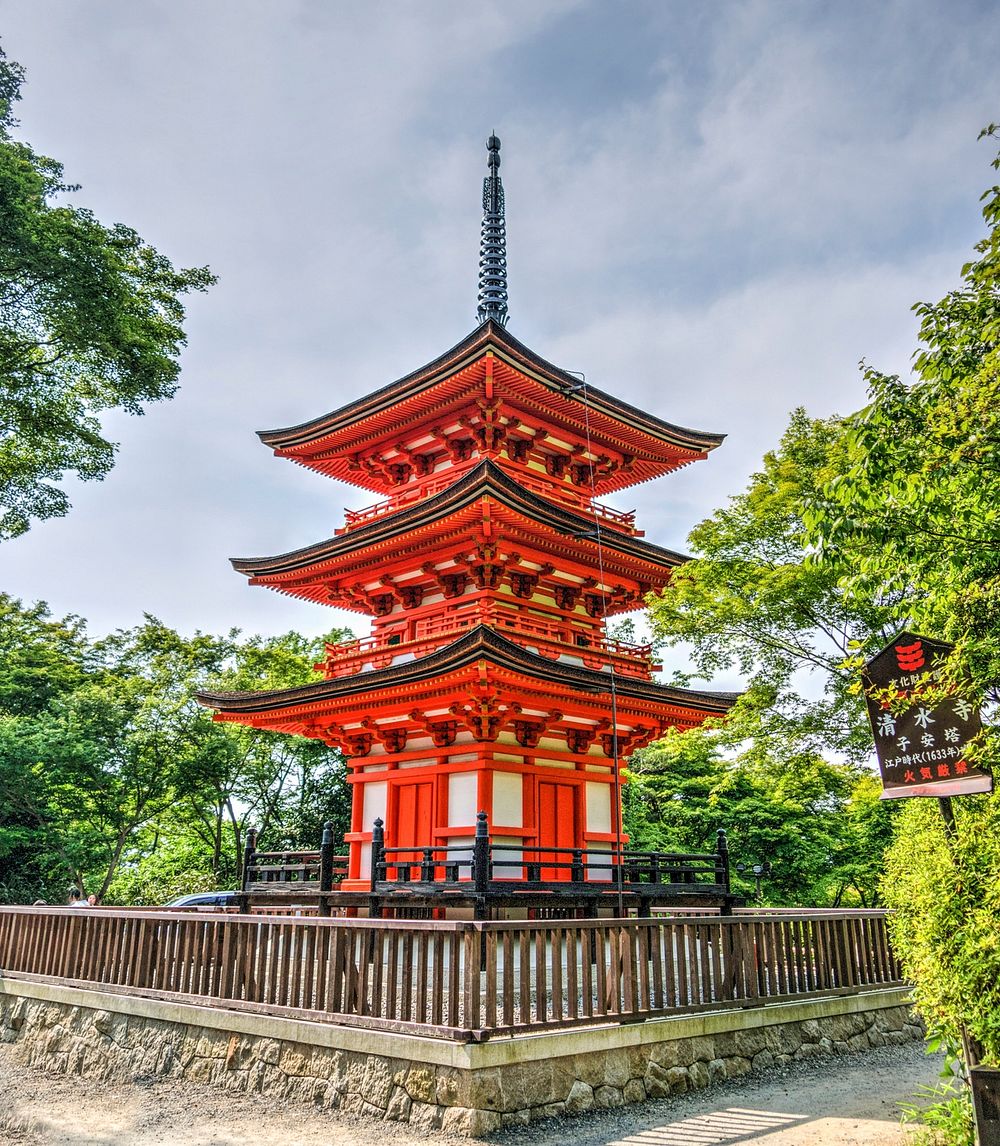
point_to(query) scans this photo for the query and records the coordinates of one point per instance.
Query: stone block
(678, 1080)
(580, 1098)
(736, 1066)
(398, 1109)
(294, 1058)
(811, 1032)
(468, 1123)
(530, 1084)
(634, 1091)
(750, 1042)
(675, 1052)
(448, 1090)
(607, 1096)
(716, 1071)
(826, 1045)
(103, 1022)
(656, 1082)
(369, 1077)
(699, 1076)
(268, 1050)
(549, 1110)
(895, 1018)
(841, 1047)
(515, 1118)
(421, 1085)
(482, 1090)
(763, 1060)
(426, 1116)
(702, 1049)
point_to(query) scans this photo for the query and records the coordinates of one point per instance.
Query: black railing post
(248, 858)
(481, 865)
(377, 852)
(722, 868)
(248, 852)
(427, 866)
(576, 871)
(325, 867)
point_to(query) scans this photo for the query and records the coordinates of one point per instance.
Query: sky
(715, 210)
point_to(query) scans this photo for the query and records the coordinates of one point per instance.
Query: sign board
(921, 750)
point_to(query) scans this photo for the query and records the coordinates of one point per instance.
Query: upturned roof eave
(483, 478)
(489, 335)
(479, 643)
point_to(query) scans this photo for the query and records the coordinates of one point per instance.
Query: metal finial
(493, 243)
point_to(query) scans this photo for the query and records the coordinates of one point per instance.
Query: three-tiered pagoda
(490, 570)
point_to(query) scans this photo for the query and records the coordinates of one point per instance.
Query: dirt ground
(848, 1101)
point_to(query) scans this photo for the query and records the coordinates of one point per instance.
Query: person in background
(92, 900)
(76, 899)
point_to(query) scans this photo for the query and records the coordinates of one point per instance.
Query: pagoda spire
(493, 243)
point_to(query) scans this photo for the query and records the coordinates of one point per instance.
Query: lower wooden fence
(453, 979)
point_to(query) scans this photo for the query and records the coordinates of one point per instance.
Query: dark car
(207, 899)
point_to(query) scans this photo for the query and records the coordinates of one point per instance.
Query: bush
(945, 924)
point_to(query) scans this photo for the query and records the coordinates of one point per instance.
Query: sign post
(921, 739)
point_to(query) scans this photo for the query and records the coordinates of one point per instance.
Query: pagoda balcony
(623, 520)
(552, 641)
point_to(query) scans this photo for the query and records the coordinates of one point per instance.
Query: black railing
(488, 870)
(309, 871)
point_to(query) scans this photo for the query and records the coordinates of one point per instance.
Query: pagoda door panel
(556, 827)
(413, 819)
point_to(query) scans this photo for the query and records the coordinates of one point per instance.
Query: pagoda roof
(480, 643)
(381, 414)
(486, 478)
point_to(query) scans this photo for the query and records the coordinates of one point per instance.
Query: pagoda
(490, 681)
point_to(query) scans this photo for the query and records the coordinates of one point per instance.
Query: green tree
(90, 320)
(809, 818)
(912, 519)
(113, 778)
(750, 600)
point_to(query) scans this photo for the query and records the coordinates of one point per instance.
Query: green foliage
(750, 600)
(946, 901)
(114, 779)
(912, 520)
(914, 515)
(820, 825)
(945, 1114)
(90, 320)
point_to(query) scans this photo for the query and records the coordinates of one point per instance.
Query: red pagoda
(490, 682)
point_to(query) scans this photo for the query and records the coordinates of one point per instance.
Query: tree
(749, 599)
(818, 824)
(90, 320)
(912, 519)
(113, 778)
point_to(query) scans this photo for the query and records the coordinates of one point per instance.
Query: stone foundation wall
(469, 1089)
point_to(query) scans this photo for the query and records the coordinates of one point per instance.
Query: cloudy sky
(714, 210)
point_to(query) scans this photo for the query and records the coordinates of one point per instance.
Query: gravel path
(848, 1101)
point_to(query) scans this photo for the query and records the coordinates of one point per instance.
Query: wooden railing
(451, 979)
(554, 491)
(551, 639)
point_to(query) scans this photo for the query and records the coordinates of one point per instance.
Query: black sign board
(921, 749)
